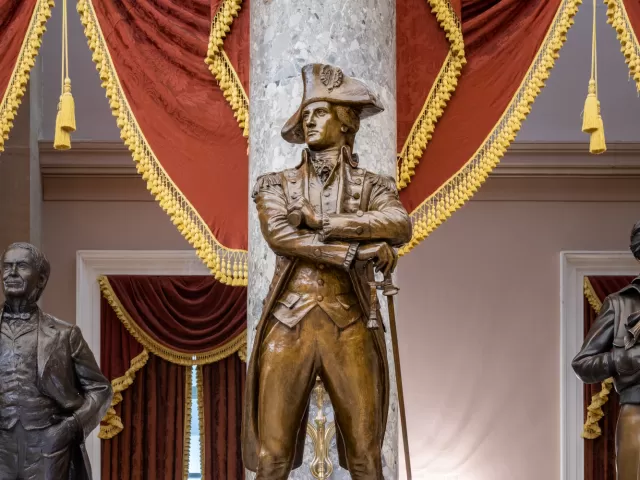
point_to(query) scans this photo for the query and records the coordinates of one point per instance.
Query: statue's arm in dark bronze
(594, 363)
(290, 241)
(386, 220)
(95, 387)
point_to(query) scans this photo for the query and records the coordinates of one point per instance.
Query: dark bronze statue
(611, 349)
(329, 223)
(52, 393)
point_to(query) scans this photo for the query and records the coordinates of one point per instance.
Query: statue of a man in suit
(612, 349)
(330, 223)
(52, 393)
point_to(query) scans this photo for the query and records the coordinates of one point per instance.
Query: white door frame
(574, 266)
(90, 264)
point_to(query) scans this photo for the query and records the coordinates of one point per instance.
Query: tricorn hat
(327, 83)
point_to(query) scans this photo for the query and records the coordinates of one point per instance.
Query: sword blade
(396, 361)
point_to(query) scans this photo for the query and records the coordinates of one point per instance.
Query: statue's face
(321, 126)
(20, 276)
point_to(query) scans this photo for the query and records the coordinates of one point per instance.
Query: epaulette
(385, 181)
(266, 180)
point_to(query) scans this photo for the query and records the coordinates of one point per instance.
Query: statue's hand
(383, 256)
(627, 361)
(309, 215)
(58, 436)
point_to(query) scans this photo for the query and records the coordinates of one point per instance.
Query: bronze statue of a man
(52, 393)
(329, 223)
(611, 349)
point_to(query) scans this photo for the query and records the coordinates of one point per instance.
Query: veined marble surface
(359, 37)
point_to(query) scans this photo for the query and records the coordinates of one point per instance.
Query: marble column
(359, 37)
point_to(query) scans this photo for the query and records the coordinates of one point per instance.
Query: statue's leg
(628, 443)
(287, 375)
(351, 374)
(8, 455)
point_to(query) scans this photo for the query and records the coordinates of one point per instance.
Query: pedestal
(359, 37)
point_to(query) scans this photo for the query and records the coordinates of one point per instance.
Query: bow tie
(16, 316)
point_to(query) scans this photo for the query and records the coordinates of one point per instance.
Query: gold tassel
(67, 109)
(590, 116)
(597, 143)
(62, 139)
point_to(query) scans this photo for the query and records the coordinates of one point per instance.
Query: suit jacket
(369, 210)
(614, 333)
(69, 373)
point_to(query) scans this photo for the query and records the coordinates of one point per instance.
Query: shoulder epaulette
(266, 180)
(385, 181)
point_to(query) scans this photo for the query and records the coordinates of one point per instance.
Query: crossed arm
(335, 239)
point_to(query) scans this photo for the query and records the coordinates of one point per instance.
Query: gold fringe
(19, 79)
(618, 18)
(186, 442)
(456, 191)
(114, 422)
(590, 295)
(440, 94)
(242, 353)
(591, 429)
(166, 353)
(228, 265)
(221, 67)
(201, 422)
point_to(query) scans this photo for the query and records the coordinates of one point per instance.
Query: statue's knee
(366, 465)
(276, 458)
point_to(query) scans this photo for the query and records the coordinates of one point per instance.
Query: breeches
(348, 364)
(21, 457)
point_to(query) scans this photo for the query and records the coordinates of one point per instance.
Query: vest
(20, 398)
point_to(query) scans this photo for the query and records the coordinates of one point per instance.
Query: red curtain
(624, 16)
(149, 444)
(154, 328)
(222, 395)
(22, 23)
(186, 319)
(600, 454)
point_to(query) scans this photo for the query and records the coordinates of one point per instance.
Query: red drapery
(195, 161)
(624, 16)
(22, 23)
(599, 453)
(143, 433)
(153, 330)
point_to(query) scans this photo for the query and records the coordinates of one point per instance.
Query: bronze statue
(52, 393)
(329, 223)
(611, 349)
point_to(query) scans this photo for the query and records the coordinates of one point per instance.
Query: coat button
(316, 252)
(359, 213)
(327, 193)
(358, 181)
(295, 195)
(320, 282)
(321, 266)
(356, 195)
(319, 298)
(359, 230)
(293, 180)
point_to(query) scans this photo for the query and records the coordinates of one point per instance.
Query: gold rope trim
(113, 421)
(591, 429)
(618, 18)
(228, 265)
(461, 186)
(439, 95)
(242, 353)
(17, 86)
(221, 67)
(201, 422)
(186, 442)
(168, 354)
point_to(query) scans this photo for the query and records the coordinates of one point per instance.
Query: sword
(389, 290)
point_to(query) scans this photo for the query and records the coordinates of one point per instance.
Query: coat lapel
(47, 341)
